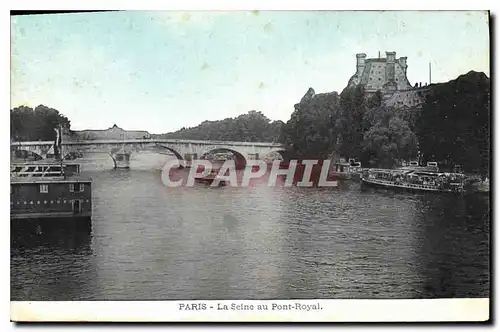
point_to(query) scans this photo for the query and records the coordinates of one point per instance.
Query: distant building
(385, 74)
(389, 76)
(113, 133)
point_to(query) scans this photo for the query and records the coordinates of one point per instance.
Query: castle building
(385, 74)
(389, 76)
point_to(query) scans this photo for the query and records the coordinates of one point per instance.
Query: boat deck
(415, 179)
(50, 179)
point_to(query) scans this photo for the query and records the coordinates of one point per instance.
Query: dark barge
(49, 194)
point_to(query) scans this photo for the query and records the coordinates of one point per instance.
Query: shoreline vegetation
(451, 127)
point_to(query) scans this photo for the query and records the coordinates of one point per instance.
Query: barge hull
(404, 188)
(33, 225)
(51, 215)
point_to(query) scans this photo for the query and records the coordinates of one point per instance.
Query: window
(44, 188)
(76, 187)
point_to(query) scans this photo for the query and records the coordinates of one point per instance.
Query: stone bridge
(121, 150)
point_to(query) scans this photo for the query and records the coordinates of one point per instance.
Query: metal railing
(40, 171)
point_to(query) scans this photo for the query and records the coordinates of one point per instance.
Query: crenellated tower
(385, 74)
(389, 76)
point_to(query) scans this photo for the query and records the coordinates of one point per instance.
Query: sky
(163, 70)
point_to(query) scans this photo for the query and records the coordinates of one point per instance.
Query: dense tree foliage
(352, 125)
(389, 139)
(454, 125)
(251, 127)
(27, 124)
(353, 108)
(313, 131)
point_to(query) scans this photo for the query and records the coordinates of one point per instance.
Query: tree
(352, 125)
(251, 127)
(27, 124)
(312, 130)
(353, 104)
(389, 140)
(454, 125)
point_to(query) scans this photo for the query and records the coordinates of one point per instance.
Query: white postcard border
(418, 310)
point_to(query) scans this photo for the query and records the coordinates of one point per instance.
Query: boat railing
(406, 184)
(444, 181)
(39, 171)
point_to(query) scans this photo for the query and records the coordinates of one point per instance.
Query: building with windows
(385, 74)
(47, 191)
(113, 133)
(388, 75)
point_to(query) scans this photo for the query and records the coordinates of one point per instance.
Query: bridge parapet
(149, 141)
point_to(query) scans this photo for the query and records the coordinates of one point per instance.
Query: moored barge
(347, 170)
(415, 180)
(48, 191)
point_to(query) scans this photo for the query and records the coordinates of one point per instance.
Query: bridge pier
(122, 160)
(188, 158)
(253, 156)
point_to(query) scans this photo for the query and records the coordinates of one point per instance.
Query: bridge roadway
(121, 150)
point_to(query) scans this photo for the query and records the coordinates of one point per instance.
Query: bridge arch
(74, 155)
(25, 154)
(177, 154)
(157, 149)
(240, 159)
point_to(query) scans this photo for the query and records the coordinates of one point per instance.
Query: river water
(151, 242)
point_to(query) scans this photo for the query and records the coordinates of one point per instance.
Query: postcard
(250, 166)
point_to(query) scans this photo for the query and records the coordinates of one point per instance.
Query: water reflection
(444, 246)
(51, 265)
(356, 248)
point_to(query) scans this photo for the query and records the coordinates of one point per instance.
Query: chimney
(430, 77)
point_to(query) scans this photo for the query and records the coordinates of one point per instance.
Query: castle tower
(360, 63)
(390, 71)
(403, 64)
